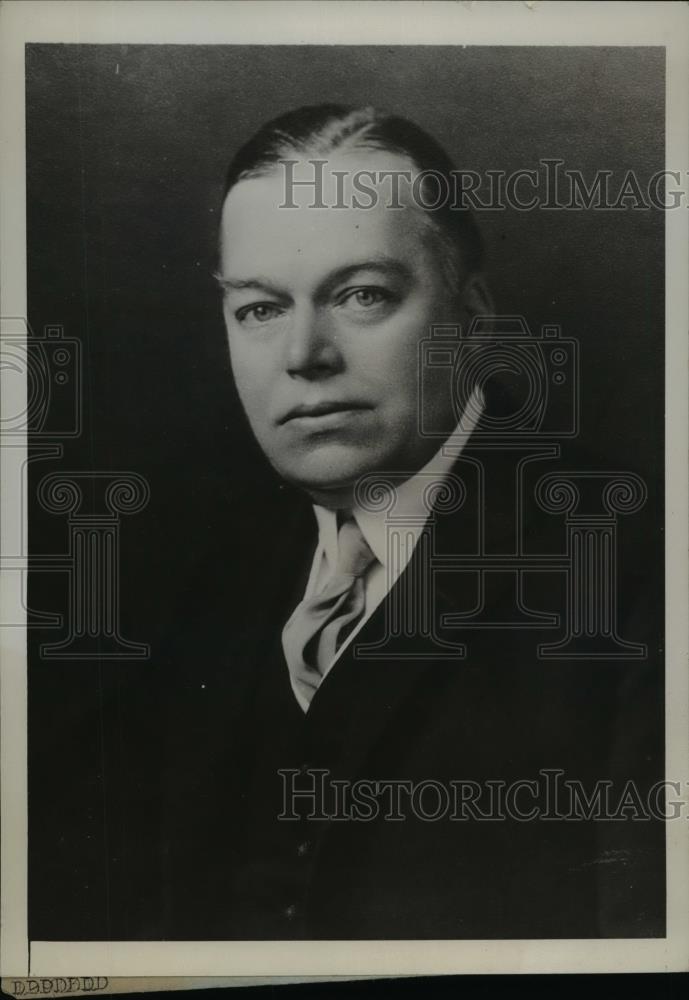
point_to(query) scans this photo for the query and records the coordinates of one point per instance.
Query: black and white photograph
(344, 489)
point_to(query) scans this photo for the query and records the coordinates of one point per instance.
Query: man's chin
(328, 478)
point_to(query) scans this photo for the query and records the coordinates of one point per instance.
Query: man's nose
(312, 350)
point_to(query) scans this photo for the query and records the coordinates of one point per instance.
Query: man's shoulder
(236, 567)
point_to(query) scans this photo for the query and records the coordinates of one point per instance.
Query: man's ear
(477, 301)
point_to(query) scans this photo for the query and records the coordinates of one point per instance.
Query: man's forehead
(258, 229)
(341, 178)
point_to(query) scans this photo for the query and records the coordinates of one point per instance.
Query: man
(323, 707)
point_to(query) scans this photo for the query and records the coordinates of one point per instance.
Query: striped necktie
(320, 624)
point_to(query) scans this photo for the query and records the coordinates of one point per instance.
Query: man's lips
(314, 410)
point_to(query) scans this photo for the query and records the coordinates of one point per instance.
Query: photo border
(345, 23)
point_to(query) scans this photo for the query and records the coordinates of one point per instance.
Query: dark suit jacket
(227, 867)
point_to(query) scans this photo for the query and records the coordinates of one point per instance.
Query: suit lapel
(408, 641)
(402, 646)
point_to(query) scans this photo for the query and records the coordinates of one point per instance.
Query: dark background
(127, 148)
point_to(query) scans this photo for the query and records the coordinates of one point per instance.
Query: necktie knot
(354, 555)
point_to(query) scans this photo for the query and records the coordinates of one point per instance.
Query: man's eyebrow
(386, 265)
(383, 264)
(237, 284)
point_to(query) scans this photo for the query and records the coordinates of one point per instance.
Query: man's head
(325, 306)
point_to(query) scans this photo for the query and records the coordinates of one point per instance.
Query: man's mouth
(313, 411)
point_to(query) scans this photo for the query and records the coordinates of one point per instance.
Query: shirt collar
(410, 494)
(327, 533)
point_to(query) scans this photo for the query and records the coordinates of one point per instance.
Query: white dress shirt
(383, 574)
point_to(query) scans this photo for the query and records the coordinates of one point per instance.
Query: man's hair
(319, 130)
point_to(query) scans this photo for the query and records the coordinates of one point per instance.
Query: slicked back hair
(317, 131)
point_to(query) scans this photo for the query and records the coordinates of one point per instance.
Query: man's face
(324, 311)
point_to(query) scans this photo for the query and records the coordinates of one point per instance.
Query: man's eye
(366, 297)
(258, 314)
